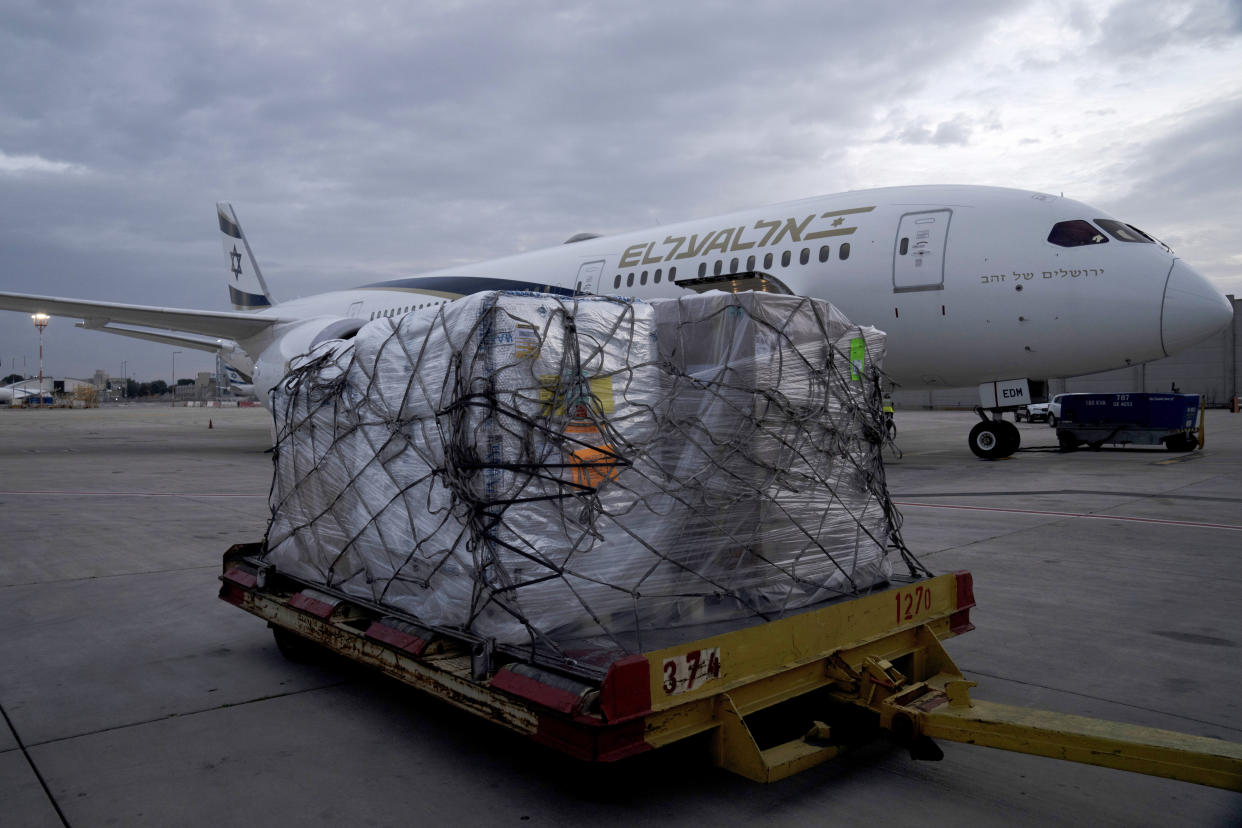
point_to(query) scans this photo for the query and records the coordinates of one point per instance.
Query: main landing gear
(993, 438)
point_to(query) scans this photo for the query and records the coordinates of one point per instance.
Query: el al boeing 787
(972, 284)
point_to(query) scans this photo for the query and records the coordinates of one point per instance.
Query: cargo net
(588, 474)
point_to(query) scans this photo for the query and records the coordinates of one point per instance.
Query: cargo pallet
(861, 666)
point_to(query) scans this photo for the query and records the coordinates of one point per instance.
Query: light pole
(40, 322)
(124, 381)
(173, 389)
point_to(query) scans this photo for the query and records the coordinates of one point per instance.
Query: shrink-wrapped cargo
(581, 473)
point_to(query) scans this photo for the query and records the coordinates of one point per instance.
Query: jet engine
(293, 339)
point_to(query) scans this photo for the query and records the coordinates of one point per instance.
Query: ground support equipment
(771, 699)
(1172, 420)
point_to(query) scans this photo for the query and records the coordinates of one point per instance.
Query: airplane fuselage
(965, 281)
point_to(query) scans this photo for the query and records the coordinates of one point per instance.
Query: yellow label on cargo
(577, 396)
(525, 342)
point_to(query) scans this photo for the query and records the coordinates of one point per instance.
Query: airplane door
(918, 256)
(588, 276)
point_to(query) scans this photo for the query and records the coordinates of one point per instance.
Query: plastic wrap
(581, 472)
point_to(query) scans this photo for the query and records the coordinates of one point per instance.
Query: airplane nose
(1193, 309)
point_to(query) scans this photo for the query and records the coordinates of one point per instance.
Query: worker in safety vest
(890, 427)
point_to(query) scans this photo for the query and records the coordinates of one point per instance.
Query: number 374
(687, 672)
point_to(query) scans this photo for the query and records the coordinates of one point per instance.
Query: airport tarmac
(1107, 583)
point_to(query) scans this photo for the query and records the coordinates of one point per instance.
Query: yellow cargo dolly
(842, 674)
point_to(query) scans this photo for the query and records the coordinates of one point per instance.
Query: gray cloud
(1194, 160)
(1142, 29)
(1183, 187)
(360, 143)
(956, 130)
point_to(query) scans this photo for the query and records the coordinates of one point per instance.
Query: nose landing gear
(993, 439)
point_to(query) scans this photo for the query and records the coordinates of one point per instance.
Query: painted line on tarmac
(1100, 492)
(21, 745)
(131, 494)
(1227, 526)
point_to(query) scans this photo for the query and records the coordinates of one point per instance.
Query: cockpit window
(1075, 233)
(1124, 232)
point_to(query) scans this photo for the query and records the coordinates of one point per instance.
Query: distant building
(204, 387)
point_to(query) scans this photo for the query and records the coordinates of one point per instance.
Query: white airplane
(972, 284)
(17, 392)
(239, 384)
(14, 393)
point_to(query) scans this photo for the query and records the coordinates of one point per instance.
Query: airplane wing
(97, 315)
(213, 345)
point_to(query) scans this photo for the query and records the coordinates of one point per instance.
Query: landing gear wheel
(988, 441)
(1011, 438)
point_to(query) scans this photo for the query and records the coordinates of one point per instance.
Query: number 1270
(911, 603)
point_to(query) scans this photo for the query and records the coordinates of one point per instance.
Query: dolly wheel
(295, 648)
(1181, 442)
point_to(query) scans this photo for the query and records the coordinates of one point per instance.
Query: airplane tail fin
(237, 377)
(247, 290)
(239, 383)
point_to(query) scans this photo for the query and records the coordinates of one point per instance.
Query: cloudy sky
(383, 140)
